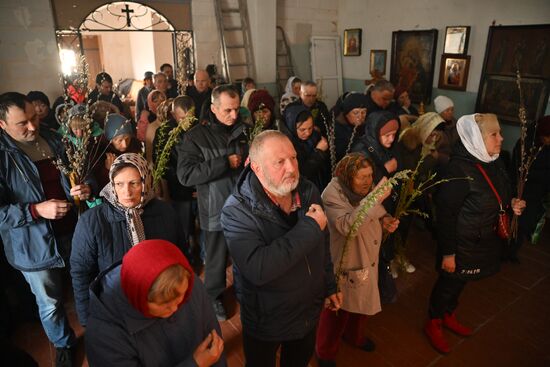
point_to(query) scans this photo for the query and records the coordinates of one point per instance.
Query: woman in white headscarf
(292, 92)
(467, 216)
(129, 215)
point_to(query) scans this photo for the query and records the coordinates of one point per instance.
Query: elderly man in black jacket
(211, 158)
(276, 231)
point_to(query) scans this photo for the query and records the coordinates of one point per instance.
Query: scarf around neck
(134, 224)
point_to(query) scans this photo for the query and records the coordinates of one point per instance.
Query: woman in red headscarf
(151, 311)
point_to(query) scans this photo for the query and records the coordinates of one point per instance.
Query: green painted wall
(465, 103)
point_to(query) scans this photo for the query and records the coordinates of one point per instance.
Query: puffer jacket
(282, 273)
(119, 335)
(202, 162)
(29, 243)
(467, 213)
(101, 238)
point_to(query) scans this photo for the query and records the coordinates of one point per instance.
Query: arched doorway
(125, 39)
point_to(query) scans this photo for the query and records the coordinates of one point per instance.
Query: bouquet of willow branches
(173, 138)
(257, 128)
(77, 149)
(527, 154)
(367, 203)
(411, 190)
(331, 136)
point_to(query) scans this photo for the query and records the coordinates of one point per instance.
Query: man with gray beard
(276, 232)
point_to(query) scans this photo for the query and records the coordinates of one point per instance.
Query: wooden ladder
(235, 40)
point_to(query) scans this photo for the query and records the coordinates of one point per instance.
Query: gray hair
(260, 140)
(229, 89)
(383, 85)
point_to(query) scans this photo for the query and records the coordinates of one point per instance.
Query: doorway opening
(126, 39)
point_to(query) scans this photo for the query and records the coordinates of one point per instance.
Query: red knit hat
(259, 97)
(143, 264)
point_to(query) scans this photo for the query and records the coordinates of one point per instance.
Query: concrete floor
(510, 313)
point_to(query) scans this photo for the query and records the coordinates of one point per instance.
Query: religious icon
(454, 72)
(352, 42)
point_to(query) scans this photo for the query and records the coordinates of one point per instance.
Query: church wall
(28, 52)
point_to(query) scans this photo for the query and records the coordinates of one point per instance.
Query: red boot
(434, 332)
(451, 323)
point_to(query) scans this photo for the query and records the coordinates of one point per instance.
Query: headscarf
(289, 96)
(352, 101)
(142, 265)
(246, 97)
(291, 117)
(420, 130)
(346, 170)
(134, 224)
(116, 124)
(375, 122)
(470, 135)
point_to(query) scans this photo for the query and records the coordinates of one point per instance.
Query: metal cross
(127, 11)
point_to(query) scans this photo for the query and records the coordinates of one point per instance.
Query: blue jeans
(47, 288)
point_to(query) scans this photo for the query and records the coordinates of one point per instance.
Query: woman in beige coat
(352, 181)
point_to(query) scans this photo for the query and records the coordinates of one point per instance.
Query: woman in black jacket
(467, 214)
(130, 214)
(311, 147)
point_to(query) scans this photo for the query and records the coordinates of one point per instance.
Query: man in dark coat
(211, 158)
(201, 93)
(36, 220)
(141, 102)
(276, 232)
(318, 109)
(380, 97)
(172, 90)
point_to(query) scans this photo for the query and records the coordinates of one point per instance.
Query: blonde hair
(482, 119)
(78, 122)
(165, 286)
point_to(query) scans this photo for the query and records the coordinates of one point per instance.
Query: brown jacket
(363, 297)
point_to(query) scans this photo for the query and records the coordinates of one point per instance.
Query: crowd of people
(196, 177)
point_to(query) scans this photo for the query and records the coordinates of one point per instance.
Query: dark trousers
(215, 264)
(186, 219)
(294, 353)
(333, 326)
(445, 293)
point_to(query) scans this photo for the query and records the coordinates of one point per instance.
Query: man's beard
(282, 189)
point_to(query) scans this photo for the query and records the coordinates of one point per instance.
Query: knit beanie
(116, 124)
(259, 97)
(36, 95)
(352, 101)
(441, 103)
(142, 265)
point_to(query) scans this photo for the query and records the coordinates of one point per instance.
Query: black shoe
(64, 357)
(219, 310)
(368, 346)
(325, 362)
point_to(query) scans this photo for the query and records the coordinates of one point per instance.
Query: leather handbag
(503, 223)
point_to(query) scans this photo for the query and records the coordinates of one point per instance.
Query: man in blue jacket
(36, 220)
(276, 232)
